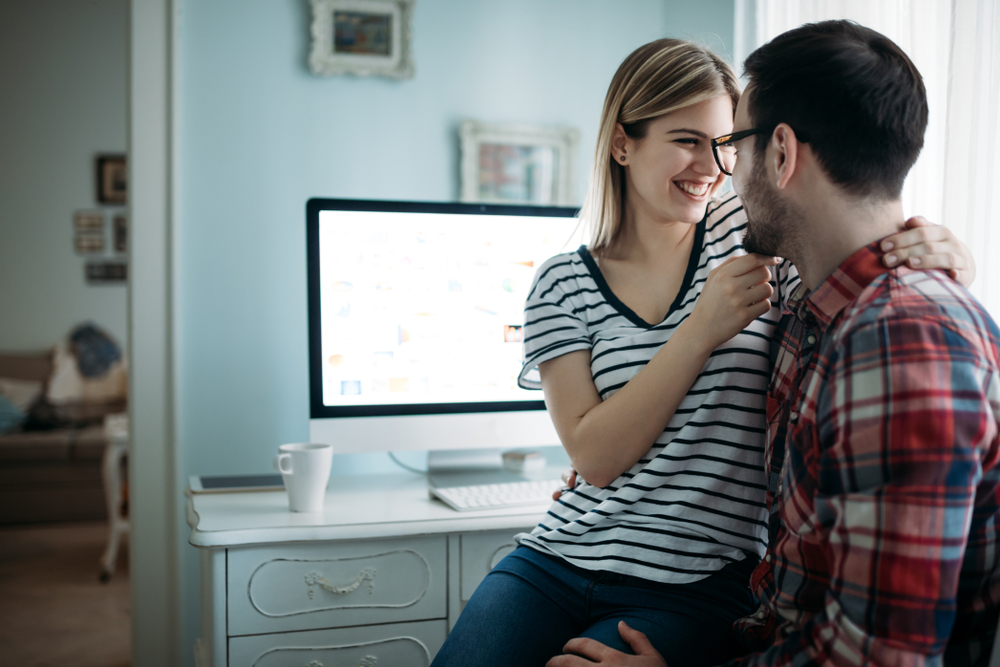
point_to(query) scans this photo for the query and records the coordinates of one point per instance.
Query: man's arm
(904, 421)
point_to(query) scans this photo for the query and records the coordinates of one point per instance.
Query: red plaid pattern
(883, 452)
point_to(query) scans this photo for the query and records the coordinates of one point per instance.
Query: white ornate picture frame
(362, 37)
(518, 164)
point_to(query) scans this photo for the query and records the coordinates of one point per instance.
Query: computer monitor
(415, 315)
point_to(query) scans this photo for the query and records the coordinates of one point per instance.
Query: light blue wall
(63, 70)
(709, 22)
(258, 135)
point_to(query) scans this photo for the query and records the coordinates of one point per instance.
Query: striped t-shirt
(695, 501)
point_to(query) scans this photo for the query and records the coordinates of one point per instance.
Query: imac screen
(422, 311)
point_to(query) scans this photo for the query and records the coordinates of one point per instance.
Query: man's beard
(769, 217)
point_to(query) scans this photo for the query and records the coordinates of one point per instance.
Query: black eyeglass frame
(729, 139)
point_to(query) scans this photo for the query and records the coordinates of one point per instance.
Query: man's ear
(785, 158)
(619, 145)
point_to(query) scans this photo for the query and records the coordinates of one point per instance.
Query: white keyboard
(495, 496)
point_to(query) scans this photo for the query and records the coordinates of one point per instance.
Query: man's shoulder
(904, 307)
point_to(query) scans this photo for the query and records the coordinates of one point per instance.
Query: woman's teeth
(696, 190)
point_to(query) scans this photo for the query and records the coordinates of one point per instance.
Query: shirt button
(810, 339)
(767, 558)
(781, 487)
(794, 417)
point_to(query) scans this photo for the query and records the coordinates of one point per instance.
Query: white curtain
(956, 46)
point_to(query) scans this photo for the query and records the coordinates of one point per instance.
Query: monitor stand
(463, 460)
(469, 467)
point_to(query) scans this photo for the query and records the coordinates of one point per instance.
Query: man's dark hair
(849, 92)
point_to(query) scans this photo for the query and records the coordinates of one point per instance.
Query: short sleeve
(551, 327)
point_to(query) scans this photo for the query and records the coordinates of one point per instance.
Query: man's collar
(841, 288)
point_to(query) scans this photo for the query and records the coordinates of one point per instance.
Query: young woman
(652, 348)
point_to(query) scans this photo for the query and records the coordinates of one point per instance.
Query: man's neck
(839, 228)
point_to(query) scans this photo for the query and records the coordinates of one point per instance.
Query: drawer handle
(367, 661)
(316, 579)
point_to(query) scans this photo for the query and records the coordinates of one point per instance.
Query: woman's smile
(694, 189)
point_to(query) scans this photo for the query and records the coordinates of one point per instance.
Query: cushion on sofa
(68, 385)
(11, 416)
(17, 397)
(22, 393)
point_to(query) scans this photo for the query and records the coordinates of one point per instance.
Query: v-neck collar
(619, 305)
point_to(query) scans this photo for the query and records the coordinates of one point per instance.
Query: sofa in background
(54, 473)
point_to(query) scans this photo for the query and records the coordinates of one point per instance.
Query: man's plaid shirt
(882, 454)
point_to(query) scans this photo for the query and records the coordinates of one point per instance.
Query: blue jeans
(532, 603)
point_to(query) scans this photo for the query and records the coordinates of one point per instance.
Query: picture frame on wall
(119, 233)
(88, 221)
(112, 179)
(362, 37)
(518, 164)
(88, 243)
(111, 271)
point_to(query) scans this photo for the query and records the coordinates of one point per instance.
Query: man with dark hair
(883, 444)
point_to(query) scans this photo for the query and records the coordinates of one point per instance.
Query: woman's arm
(606, 438)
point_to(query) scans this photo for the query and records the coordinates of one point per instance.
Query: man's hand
(924, 245)
(581, 652)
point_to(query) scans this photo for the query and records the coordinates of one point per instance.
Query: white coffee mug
(305, 468)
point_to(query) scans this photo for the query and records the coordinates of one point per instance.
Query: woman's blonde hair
(660, 77)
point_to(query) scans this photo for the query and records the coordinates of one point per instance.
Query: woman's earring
(622, 158)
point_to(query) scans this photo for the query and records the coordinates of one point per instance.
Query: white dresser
(375, 580)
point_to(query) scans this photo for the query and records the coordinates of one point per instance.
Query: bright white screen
(421, 308)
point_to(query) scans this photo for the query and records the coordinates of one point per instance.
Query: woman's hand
(736, 293)
(569, 481)
(924, 246)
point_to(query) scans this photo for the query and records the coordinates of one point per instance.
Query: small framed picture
(89, 243)
(112, 179)
(518, 164)
(119, 233)
(106, 272)
(84, 221)
(362, 37)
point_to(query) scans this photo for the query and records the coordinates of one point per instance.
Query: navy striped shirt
(696, 500)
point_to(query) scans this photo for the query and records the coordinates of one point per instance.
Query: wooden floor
(53, 609)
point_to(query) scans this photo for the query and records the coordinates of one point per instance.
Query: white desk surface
(357, 507)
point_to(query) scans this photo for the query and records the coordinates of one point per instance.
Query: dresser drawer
(331, 585)
(480, 554)
(402, 644)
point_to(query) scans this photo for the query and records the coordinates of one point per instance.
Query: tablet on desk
(232, 483)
